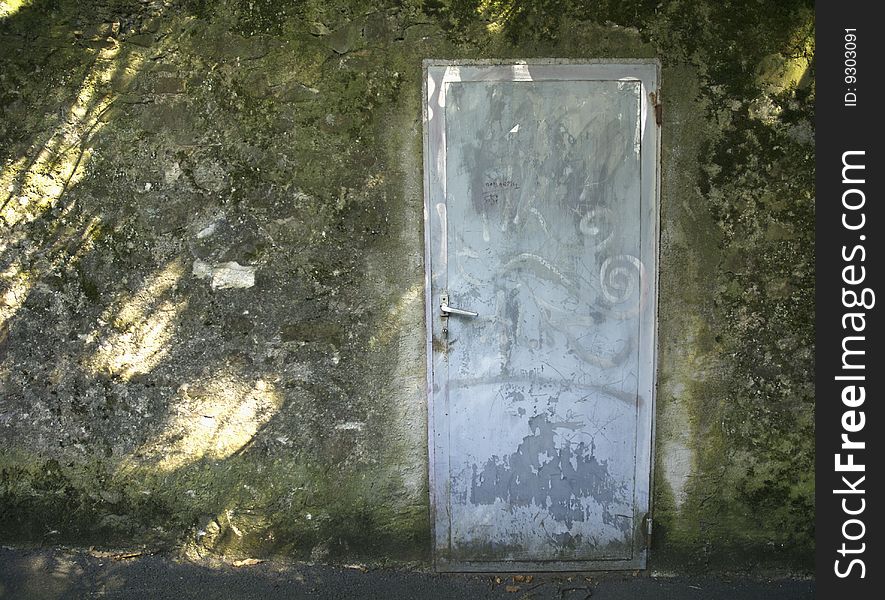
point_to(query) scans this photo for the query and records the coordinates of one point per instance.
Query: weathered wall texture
(211, 266)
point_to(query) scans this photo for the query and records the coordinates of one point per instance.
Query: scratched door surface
(540, 189)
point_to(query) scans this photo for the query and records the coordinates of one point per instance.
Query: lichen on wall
(211, 273)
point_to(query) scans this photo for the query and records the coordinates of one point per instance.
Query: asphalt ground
(65, 573)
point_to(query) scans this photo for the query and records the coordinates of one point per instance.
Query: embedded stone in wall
(225, 276)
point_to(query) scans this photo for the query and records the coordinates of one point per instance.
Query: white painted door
(541, 188)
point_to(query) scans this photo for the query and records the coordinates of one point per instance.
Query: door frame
(436, 74)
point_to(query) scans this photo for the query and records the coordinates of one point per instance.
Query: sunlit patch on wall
(212, 418)
(14, 287)
(791, 68)
(10, 7)
(16, 281)
(495, 13)
(141, 327)
(31, 185)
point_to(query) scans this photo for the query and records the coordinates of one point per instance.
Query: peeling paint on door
(541, 195)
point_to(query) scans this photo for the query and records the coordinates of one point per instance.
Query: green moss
(294, 130)
(285, 508)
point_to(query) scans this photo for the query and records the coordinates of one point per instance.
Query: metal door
(541, 220)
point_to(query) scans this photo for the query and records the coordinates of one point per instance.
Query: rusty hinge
(659, 107)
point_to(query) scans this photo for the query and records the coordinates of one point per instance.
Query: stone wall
(211, 270)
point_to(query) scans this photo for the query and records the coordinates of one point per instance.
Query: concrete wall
(211, 305)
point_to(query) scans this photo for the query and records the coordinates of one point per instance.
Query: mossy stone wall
(211, 305)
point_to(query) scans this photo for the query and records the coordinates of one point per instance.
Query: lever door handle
(451, 310)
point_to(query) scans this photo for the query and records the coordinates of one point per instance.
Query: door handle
(451, 310)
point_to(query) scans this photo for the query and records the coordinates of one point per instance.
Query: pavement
(69, 573)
